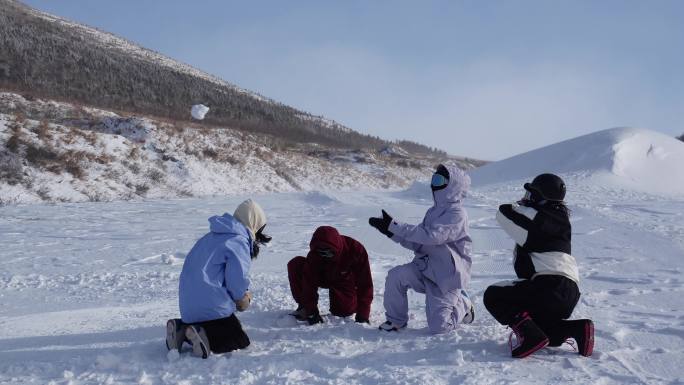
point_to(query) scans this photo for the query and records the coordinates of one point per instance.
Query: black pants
(225, 334)
(549, 299)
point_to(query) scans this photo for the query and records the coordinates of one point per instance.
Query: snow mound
(198, 111)
(631, 158)
(417, 190)
(319, 198)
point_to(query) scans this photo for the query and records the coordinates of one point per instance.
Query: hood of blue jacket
(456, 190)
(227, 224)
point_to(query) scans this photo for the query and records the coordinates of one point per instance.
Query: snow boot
(300, 313)
(175, 334)
(388, 326)
(529, 337)
(582, 331)
(198, 338)
(470, 315)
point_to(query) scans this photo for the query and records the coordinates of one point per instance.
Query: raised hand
(382, 224)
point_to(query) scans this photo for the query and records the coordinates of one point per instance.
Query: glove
(314, 318)
(382, 224)
(311, 318)
(243, 304)
(361, 320)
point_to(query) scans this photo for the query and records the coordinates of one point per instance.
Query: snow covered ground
(85, 290)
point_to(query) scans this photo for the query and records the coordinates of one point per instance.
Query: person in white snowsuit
(442, 262)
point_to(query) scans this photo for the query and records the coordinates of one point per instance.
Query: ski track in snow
(85, 291)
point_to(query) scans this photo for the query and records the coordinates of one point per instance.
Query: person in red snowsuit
(338, 263)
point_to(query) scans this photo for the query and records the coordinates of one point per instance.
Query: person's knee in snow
(441, 321)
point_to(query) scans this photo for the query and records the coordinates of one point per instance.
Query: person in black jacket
(538, 304)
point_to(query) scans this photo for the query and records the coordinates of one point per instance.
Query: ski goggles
(528, 196)
(326, 253)
(533, 197)
(439, 180)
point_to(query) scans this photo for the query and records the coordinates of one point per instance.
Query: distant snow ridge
(631, 158)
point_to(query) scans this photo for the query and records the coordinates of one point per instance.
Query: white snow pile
(198, 111)
(631, 158)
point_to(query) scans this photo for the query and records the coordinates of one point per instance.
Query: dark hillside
(48, 57)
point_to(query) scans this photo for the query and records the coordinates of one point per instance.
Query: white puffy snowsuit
(442, 262)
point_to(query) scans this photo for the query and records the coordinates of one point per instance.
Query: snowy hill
(631, 158)
(45, 56)
(60, 152)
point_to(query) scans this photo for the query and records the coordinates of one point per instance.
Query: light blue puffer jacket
(216, 271)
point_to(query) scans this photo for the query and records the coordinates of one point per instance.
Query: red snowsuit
(347, 275)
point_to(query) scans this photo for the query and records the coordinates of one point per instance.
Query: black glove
(361, 320)
(261, 237)
(314, 318)
(382, 224)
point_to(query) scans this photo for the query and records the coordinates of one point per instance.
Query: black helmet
(549, 187)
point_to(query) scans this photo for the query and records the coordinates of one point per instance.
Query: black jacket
(543, 240)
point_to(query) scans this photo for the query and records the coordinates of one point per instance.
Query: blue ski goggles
(439, 180)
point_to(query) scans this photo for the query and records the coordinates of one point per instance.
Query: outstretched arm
(517, 221)
(427, 234)
(413, 246)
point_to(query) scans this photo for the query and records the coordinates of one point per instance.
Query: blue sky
(486, 79)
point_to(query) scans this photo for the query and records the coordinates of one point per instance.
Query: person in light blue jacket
(214, 283)
(441, 266)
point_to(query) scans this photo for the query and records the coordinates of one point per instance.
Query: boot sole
(540, 346)
(393, 329)
(199, 347)
(171, 335)
(470, 317)
(589, 338)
